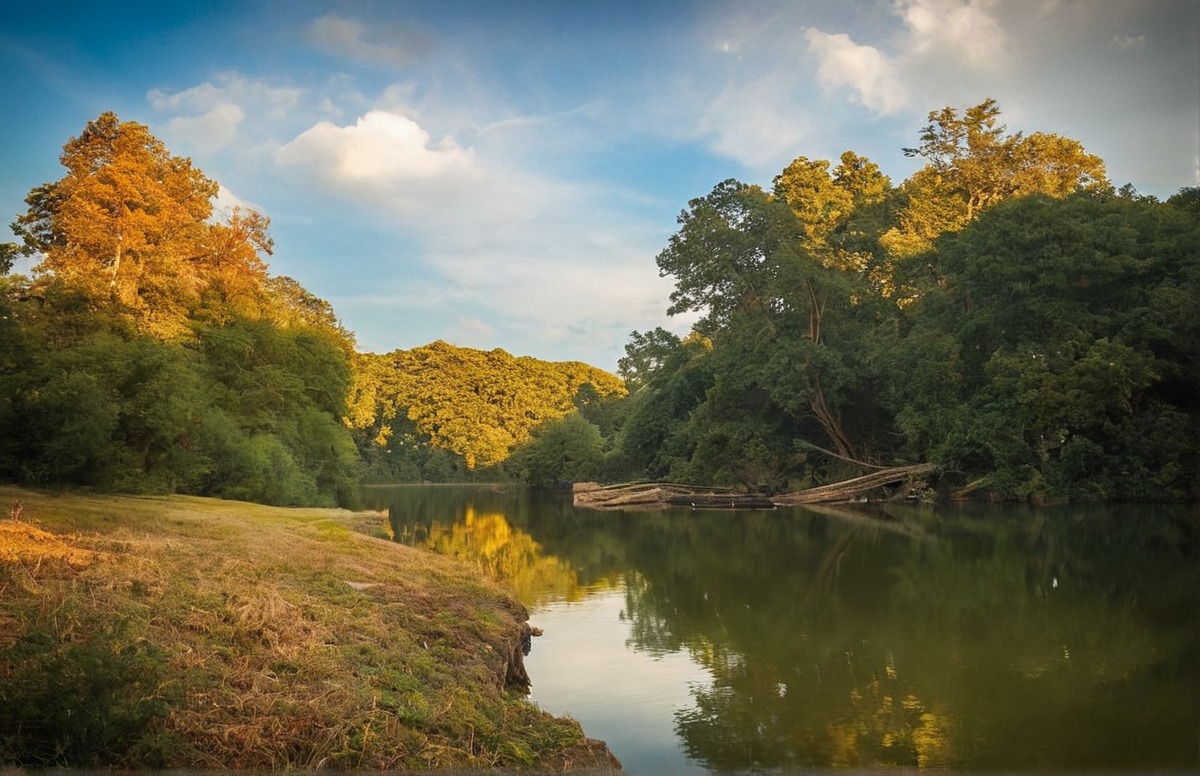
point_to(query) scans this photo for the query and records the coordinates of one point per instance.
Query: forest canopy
(1004, 313)
(153, 351)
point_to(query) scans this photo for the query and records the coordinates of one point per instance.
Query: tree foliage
(1003, 313)
(417, 405)
(152, 351)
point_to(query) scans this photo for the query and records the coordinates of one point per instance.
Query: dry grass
(194, 633)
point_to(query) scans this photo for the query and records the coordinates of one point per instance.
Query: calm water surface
(991, 639)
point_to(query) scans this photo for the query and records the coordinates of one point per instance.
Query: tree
(567, 449)
(1059, 357)
(8, 256)
(720, 256)
(971, 165)
(768, 282)
(982, 166)
(232, 269)
(123, 223)
(817, 202)
(128, 228)
(647, 356)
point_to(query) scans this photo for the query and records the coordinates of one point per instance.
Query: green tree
(567, 449)
(8, 256)
(1058, 358)
(744, 260)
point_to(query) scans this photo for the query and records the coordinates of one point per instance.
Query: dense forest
(1004, 313)
(153, 351)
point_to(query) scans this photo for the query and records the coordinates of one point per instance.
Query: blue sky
(502, 174)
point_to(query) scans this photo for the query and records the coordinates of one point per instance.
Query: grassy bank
(187, 632)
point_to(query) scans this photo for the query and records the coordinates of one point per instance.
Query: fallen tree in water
(856, 488)
(633, 495)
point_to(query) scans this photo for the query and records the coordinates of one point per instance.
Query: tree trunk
(829, 421)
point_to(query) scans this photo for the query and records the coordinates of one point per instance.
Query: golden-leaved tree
(972, 165)
(129, 228)
(152, 351)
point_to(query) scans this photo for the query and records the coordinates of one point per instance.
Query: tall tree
(745, 260)
(124, 221)
(129, 227)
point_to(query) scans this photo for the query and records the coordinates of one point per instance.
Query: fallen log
(635, 494)
(855, 488)
(657, 494)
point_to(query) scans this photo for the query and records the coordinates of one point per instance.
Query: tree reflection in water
(1061, 639)
(994, 638)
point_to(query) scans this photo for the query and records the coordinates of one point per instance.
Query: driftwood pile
(634, 495)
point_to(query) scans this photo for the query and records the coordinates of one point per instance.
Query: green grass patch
(179, 632)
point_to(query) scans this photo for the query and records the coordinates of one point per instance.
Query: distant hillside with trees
(445, 413)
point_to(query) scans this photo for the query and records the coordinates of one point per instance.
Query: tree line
(152, 350)
(1004, 313)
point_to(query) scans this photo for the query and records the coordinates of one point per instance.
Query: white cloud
(534, 259)
(226, 202)
(249, 94)
(393, 45)
(1126, 42)
(963, 31)
(864, 69)
(209, 131)
(231, 113)
(380, 148)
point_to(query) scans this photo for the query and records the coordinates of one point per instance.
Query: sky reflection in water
(585, 667)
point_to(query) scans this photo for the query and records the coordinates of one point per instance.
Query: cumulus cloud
(864, 69)
(209, 131)
(962, 30)
(381, 147)
(393, 45)
(214, 116)
(533, 258)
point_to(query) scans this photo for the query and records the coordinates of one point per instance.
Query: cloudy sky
(502, 174)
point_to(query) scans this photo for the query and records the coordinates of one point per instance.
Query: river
(978, 638)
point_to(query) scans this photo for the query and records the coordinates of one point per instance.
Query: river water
(979, 639)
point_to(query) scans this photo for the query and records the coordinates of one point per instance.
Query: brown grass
(244, 636)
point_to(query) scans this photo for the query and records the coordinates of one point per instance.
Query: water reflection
(475, 524)
(993, 639)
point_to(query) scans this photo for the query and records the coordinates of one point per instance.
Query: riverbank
(182, 632)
